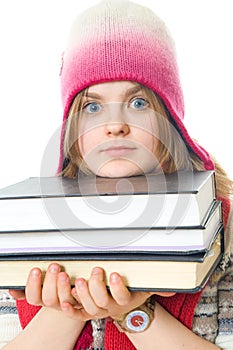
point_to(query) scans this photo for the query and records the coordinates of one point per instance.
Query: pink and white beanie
(121, 40)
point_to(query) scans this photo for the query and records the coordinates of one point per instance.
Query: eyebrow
(93, 95)
(131, 91)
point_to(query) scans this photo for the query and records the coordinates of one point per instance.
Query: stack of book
(160, 232)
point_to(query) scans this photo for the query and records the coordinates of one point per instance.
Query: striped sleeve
(213, 318)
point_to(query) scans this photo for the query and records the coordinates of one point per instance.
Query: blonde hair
(172, 153)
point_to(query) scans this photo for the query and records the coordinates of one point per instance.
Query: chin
(124, 169)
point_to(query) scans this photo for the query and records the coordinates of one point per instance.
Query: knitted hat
(121, 40)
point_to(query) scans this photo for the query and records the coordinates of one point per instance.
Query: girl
(123, 116)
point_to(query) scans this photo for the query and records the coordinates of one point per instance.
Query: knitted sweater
(9, 321)
(209, 314)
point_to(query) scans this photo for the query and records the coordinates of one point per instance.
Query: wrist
(136, 320)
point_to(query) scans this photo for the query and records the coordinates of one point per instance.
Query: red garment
(181, 306)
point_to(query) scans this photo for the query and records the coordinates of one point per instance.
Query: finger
(74, 312)
(49, 291)
(84, 296)
(33, 290)
(70, 310)
(76, 297)
(17, 294)
(118, 290)
(97, 288)
(163, 294)
(64, 289)
(74, 294)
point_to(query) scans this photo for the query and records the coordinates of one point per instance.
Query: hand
(56, 288)
(51, 290)
(87, 300)
(98, 302)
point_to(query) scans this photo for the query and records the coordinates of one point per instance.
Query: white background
(32, 37)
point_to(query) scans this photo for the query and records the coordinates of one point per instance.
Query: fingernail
(115, 277)
(96, 271)
(63, 277)
(74, 292)
(35, 273)
(80, 283)
(54, 268)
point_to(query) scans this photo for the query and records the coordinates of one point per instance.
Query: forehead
(116, 87)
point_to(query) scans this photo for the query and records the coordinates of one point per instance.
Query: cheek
(146, 131)
(146, 139)
(88, 141)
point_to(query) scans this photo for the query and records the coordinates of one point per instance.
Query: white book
(180, 199)
(151, 240)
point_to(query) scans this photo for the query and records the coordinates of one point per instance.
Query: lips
(118, 151)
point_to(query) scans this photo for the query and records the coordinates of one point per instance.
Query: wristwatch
(137, 320)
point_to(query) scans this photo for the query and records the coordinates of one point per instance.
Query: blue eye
(138, 103)
(92, 107)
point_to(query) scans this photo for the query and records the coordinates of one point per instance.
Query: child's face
(118, 130)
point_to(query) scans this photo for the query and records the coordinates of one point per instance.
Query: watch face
(137, 321)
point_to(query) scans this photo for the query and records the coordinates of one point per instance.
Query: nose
(117, 129)
(117, 124)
